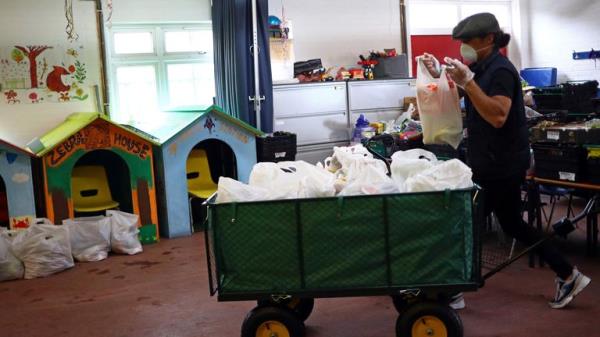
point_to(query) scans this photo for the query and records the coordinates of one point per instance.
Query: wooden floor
(163, 292)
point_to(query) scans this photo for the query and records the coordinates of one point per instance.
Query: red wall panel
(438, 45)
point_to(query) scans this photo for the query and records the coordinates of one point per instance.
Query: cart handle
(562, 228)
(209, 199)
(378, 156)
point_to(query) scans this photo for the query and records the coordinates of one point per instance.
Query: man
(498, 146)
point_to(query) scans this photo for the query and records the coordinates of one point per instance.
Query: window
(159, 67)
(433, 16)
(438, 17)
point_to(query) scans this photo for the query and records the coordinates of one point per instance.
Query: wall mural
(37, 74)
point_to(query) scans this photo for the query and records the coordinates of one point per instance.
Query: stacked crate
(567, 152)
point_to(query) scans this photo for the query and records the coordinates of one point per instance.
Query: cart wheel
(301, 307)
(400, 303)
(429, 319)
(272, 321)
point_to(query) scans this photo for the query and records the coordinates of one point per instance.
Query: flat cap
(476, 25)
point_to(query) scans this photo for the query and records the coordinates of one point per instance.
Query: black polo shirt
(498, 153)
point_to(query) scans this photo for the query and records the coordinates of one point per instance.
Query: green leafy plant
(80, 72)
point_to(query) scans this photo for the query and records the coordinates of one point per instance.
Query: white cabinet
(315, 112)
(381, 100)
(322, 114)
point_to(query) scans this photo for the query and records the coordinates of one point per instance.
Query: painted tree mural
(32, 52)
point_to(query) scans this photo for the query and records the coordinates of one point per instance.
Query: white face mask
(469, 53)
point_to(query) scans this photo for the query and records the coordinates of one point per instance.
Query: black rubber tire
(400, 303)
(302, 309)
(417, 310)
(259, 315)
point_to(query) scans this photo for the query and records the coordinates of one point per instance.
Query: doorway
(117, 177)
(221, 162)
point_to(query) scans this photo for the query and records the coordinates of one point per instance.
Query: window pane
(189, 41)
(502, 12)
(136, 86)
(191, 84)
(134, 43)
(430, 15)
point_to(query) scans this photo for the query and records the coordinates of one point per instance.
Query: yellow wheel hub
(429, 326)
(272, 329)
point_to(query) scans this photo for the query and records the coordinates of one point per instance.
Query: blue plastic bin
(539, 77)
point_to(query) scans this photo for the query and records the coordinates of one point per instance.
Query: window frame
(459, 8)
(160, 59)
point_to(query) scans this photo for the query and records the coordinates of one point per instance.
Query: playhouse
(197, 147)
(91, 164)
(17, 202)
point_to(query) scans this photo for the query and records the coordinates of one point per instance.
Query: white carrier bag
(439, 107)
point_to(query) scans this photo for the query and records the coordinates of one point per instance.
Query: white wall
(136, 11)
(556, 28)
(43, 22)
(337, 31)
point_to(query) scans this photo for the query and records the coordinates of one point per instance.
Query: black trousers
(503, 197)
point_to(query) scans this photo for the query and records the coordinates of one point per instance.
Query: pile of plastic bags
(45, 249)
(349, 171)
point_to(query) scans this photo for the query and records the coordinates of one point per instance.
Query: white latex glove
(459, 72)
(432, 64)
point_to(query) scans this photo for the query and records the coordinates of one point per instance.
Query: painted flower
(71, 68)
(11, 94)
(33, 96)
(79, 92)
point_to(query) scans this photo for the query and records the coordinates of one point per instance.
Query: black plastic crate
(576, 133)
(560, 161)
(280, 146)
(548, 101)
(593, 164)
(576, 97)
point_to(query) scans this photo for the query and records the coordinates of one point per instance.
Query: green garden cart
(418, 248)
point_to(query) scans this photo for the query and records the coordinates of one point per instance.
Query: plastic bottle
(362, 130)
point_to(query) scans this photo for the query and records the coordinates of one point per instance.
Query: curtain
(234, 63)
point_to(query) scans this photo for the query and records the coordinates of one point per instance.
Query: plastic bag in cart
(451, 174)
(44, 249)
(290, 180)
(90, 238)
(231, 190)
(406, 164)
(11, 268)
(367, 176)
(124, 232)
(439, 107)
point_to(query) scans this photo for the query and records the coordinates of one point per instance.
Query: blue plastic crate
(540, 77)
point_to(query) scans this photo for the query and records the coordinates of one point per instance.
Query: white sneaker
(457, 302)
(566, 291)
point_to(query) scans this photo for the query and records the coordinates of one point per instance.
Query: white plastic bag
(10, 235)
(10, 267)
(451, 174)
(289, 180)
(231, 190)
(439, 107)
(369, 179)
(343, 157)
(90, 238)
(406, 164)
(124, 232)
(44, 250)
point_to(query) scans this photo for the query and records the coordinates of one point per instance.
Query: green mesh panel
(362, 242)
